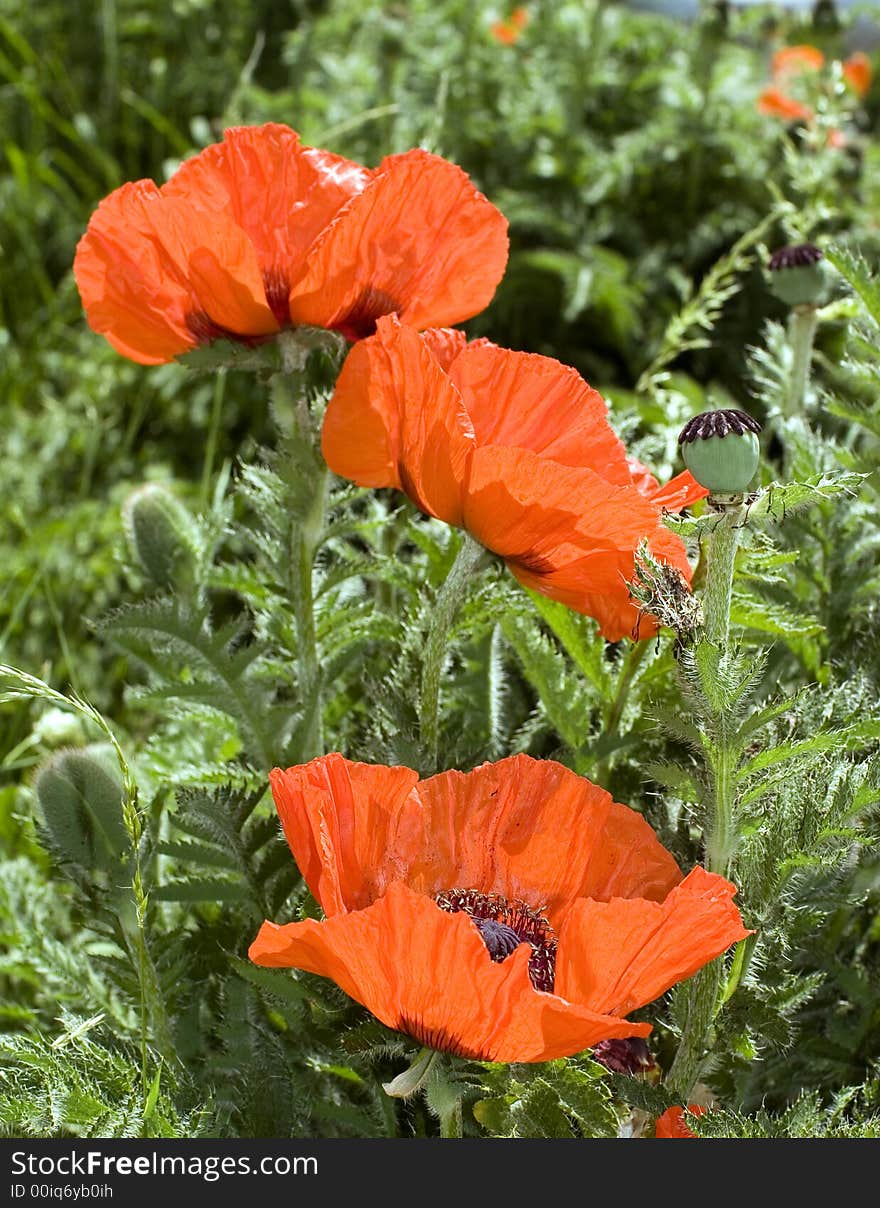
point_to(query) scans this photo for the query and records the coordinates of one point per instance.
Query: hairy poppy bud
(798, 274)
(80, 798)
(720, 448)
(161, 535)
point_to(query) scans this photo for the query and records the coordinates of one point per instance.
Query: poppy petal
(774, 103)
(858, 73)
(128, 293)
(795, 60)
(419, 241)
(680, 492)
(527, 829)
(672, 1123)
(395, 419)
(343, 822)
(567, 533)
(162, 255)
(617, 956)
(535, 831)
(532, 402)
(445, 344)
(279, 192)
(428, 973)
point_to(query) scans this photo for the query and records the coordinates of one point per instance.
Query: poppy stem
(631, 663)
(467, 563)
(721, 546)
(801, 332)
(290, 390)
(703, 992)
(702, 997)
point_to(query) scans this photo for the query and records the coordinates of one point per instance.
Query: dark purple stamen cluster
(625, 1056)
(504, 926)
(798, 255)
(717, 423)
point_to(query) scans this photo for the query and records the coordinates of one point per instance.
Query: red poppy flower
(515, 913)
(858, 73)
(796, 60)
(775, 103)
(516, 449)
(259, 232)
(507, 32)
(672, 1122)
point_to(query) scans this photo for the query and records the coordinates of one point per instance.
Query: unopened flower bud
(80, 798)
(161, 535)
(798, 274)
(721, 450)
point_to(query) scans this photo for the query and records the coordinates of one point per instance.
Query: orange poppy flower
(515, 913)
(508, 31)
(775, 103)
(796, 60)
(858, 73)
(512, 447)
(672, 1122)
(259, 232)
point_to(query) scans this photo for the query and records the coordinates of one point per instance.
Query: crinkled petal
(149, 265)
(419, 241)
(351, 827)
(130, 294)
(396, 420)
(532, 402)
(567, 533)
(445, 344)
(677, 494)
(617, 956)
(280, 193)
(427, 973)
(527, 829)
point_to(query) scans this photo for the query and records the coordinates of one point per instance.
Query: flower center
(360, 319)
(504, 926)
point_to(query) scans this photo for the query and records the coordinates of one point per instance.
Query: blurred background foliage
(629, 154)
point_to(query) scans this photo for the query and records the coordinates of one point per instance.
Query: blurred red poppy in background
(260, 232)
(858, 73)
(514, 913)
(508, 31)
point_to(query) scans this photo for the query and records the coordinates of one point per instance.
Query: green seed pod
(721, 450)
(161, 535)
(80, 798)
(798, 275)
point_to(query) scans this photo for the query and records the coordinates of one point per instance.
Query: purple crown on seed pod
(717, 423)
(721, 450)
(796, 255)
(798, 274)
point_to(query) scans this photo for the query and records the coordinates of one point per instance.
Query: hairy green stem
(801, 332)
(721, 546)
(305, 542)
(631, 663)
(451, 1122)
(466, 564)
(702, 997)
(705, 989)
(290, 395)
